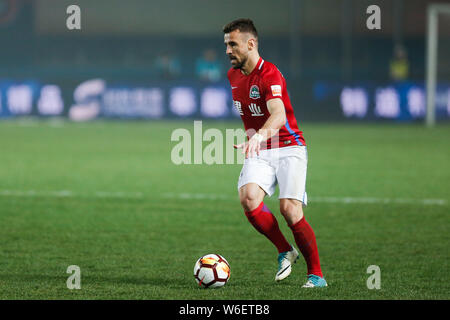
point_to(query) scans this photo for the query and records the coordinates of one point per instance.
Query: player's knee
(249, 204)
(292, 211)
(251, 196)
(250, 201)
(286, 207)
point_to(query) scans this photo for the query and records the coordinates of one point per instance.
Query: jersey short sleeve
(273, 84)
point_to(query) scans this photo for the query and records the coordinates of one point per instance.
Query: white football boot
(285, 260)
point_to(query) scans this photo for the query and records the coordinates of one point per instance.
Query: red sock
(265, 222)
(306, 242)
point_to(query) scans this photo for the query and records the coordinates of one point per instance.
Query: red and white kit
(250, 96)
(283, 161)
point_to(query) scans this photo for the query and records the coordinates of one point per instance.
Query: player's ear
(251, 44)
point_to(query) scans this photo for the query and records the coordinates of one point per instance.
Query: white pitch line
(343, 200)
(67, 193)
(209, 196)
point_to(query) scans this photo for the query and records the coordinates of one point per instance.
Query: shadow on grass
(140, 281)
(95, 280)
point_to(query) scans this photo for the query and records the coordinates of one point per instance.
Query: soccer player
(274, 153)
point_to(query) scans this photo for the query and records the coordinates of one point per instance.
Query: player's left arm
(276, 120)
(272, 90)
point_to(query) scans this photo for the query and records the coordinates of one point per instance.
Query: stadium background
(335, 66)
(104, 194)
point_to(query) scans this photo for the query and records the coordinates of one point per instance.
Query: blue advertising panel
(98, 98)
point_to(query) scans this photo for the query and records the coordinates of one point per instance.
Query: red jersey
(250, 96)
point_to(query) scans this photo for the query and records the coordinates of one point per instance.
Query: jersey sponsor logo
(238, 107)
(254, 92)
(233, 87)
(276, 90)
(255, 110)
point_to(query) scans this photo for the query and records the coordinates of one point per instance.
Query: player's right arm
(273, 124)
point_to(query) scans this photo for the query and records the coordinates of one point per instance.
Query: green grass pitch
(106, 197)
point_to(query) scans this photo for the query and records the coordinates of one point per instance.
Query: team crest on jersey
(254, 92)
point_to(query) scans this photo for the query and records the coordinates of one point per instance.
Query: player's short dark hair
(243, 25)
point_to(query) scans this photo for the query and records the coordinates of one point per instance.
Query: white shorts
(285, 166)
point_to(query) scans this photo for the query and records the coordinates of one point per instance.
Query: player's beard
(239, 65)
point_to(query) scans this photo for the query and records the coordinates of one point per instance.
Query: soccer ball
(211, 271)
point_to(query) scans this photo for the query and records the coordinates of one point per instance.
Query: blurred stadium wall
(165, 58)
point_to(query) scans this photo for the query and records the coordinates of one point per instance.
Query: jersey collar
(256, 68)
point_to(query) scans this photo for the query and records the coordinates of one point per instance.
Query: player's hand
(245, 148)
(252, 147)
(239, 146)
